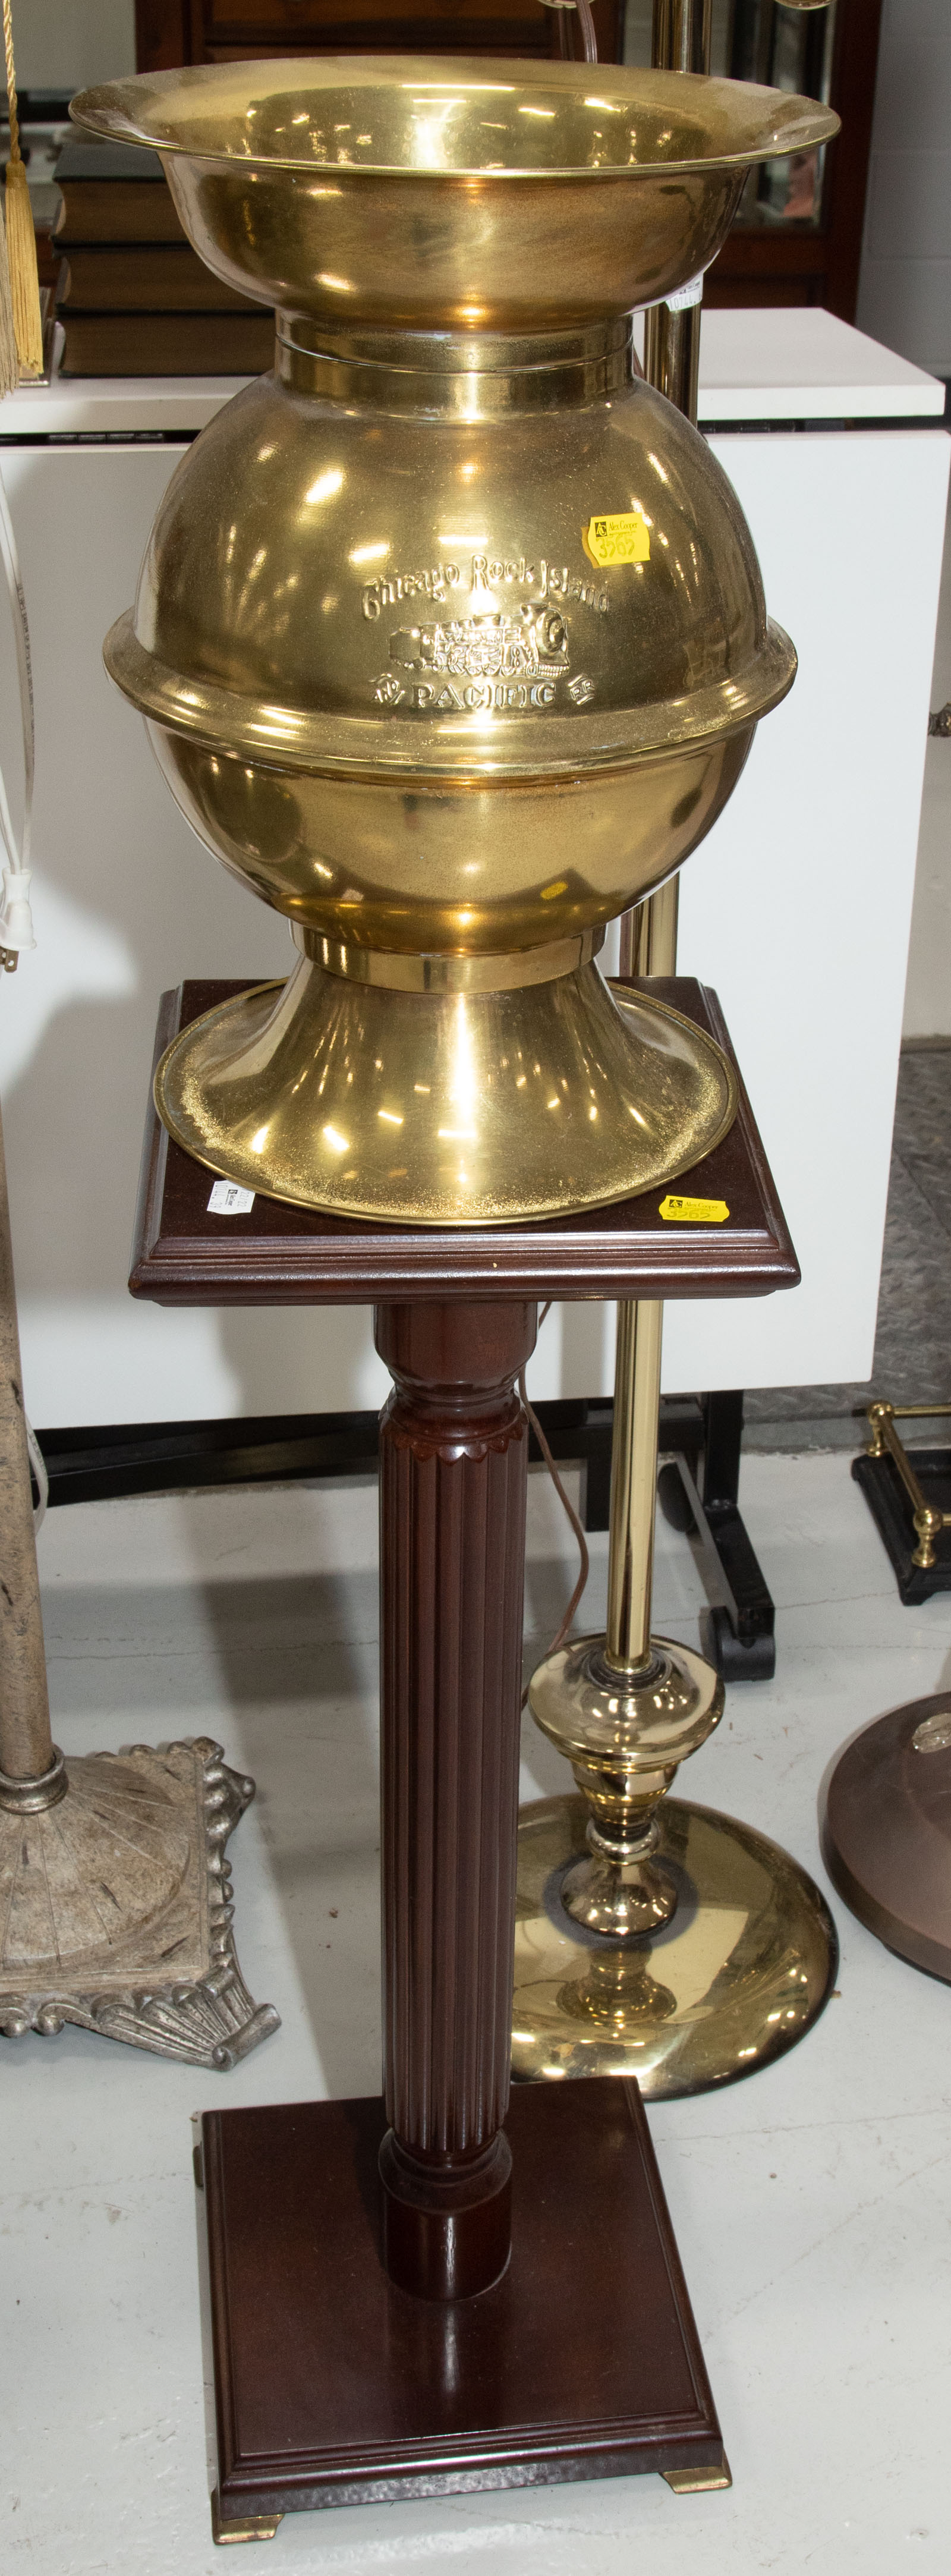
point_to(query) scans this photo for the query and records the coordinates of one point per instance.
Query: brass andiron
(628, 1707)
(928, 1519)
(450, 636)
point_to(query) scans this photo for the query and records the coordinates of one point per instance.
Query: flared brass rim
(238, 1167)
(460, 750)
(769, 123)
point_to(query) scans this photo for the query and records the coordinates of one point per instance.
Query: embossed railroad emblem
(528, 648)
(487, 648)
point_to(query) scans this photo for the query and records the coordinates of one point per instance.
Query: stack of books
(133, 297)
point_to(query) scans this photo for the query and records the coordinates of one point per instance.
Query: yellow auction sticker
(694, 1211)
(621, 539)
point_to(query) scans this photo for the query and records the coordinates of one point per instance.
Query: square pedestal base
(333, 2387)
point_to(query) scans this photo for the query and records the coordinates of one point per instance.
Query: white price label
(229, 1199)
(684, 296)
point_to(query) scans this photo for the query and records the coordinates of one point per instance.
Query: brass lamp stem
(681, 35)
(681, 42)
(633, 1485)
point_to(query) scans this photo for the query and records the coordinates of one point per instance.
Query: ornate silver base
(115, 1906)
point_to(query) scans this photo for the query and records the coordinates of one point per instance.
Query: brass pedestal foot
(733, 1980)
(698, 2481)
(250, 2526)
(115, 1901)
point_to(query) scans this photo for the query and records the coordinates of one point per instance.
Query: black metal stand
(698, 1485)
(699, 1494)
(893, 1515)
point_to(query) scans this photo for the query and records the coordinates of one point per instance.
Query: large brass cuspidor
(450, 636)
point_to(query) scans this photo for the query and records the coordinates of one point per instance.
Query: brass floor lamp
(654, 1938)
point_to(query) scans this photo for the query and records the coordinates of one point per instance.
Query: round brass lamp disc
(733, 1981)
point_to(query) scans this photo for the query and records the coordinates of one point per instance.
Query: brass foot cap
(698, 2481)
(243, 2526)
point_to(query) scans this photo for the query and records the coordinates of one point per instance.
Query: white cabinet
(797, 907)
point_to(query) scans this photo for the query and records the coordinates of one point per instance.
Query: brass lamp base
(115, 1898)
(625, 1733)
(446, 1091)
(733, 1981)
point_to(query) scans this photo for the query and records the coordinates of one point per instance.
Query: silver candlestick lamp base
(115, 1903)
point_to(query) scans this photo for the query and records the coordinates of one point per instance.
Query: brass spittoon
(450, 636)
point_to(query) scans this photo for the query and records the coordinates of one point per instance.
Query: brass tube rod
(633, 1484)
(26, 1746)
(886, 1437)
(681, 42)
(672, 355)
(681, 35)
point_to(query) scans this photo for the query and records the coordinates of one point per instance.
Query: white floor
(810, 2203)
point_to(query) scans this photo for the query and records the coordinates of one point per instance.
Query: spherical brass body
(450, 636)
(384, 680)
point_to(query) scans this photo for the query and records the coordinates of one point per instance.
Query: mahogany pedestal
(371, 2334)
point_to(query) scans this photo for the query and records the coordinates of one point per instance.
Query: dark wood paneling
(853, 94)
(768, 267)
(773, 266)
(200, 31)
(162, 35)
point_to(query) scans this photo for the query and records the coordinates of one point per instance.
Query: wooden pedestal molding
(333, 2386)
(373, 2333)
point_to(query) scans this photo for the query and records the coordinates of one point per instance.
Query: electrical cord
(567, 1506)
(40, 1477)
(589, 42)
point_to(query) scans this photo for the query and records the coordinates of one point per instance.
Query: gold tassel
(21, 238)
(9, 360)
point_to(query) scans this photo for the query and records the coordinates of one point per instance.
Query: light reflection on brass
(384, 187)
(468, 1094)
(386, 677)
(744, 1969)
(616, 1995)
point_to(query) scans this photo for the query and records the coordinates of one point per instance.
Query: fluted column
(453, 1461)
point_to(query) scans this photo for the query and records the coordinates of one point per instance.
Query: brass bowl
(402, 672)
(453, 195)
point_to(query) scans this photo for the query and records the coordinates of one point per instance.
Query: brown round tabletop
(886, 1831)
